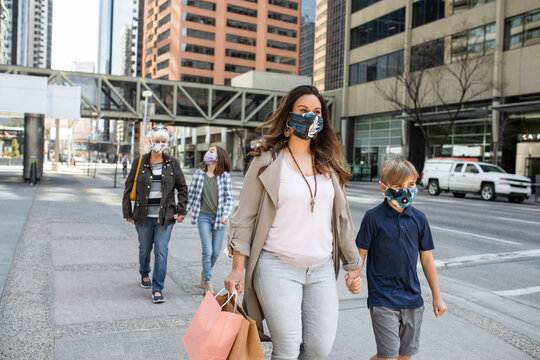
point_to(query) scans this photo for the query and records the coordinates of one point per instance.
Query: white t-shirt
(297, 235)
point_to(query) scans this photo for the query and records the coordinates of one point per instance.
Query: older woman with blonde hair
(292, 228)
(155, 210)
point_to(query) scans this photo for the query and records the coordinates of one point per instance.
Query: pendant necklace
(312, 195)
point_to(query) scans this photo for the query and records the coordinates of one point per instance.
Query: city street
(72, 290)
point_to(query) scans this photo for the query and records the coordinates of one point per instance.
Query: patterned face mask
(400, 198)
(159, 147)
(306, 125)
(209, 158)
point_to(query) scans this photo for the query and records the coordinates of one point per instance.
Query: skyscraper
(26, 32)
(118, 26)
(307, 37)
(8, 31)
(213, 41)
(329, 44)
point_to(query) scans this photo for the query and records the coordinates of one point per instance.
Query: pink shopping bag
(212, 330)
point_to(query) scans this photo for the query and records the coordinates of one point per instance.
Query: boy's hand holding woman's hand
(353, 281)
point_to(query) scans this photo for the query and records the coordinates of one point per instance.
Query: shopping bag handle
(235, 294)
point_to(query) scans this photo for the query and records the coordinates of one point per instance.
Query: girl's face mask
(158, 147)
(306, 125)
(209, 158)
(401, 198)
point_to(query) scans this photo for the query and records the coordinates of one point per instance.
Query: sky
(75, 32)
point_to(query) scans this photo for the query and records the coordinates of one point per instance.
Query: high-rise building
(498, 122)
(26, 32)
(329, 44)
(307, 37)
(117, 42)
(210, 41)
(8, 31)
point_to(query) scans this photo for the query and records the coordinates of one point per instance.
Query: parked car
(467, 176)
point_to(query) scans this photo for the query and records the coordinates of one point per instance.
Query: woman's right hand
(235, 280)
(129, 220)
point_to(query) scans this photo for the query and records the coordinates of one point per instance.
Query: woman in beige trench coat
(292, 228)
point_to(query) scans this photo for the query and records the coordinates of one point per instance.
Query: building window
(241, 25)
(240, 54)
(320, 48)
(426, 11)
(163, 64)
(320, 4)
(150, 12)
(319, 72)
(197, 49)
(284, 3)
(164, 35)
(241, 10)
(197, 64)
(199, 19)
(321, 37)
(462, 5)
(378, 68)
(281, 59)
(148, 63)
(149, 51)
(164, 77)
(237, 68)
(361, 4)
(198, 34)
(477, 41)
(165, 5)
(522, 30)
(163, 50)
(378, 29)
(281, 45)
(241, 40)
(164, 20)
(196, 79)
(427, 55)
(281, 31)
(320, 26)
(320, 59)
(279, 71)
(282, 17)
(201, 4)
(149, 38)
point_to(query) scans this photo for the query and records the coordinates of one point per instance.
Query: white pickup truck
(462, 177)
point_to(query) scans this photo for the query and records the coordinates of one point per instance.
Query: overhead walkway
(176, 103)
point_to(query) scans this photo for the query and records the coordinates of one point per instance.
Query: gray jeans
(300, 305)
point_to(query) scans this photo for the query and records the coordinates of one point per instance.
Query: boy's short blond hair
(396, 170)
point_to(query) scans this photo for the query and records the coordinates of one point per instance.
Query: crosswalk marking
(518, 292)
(475, 235)
(485, 258)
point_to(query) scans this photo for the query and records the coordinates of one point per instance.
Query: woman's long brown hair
(223, 162)
(326, 147)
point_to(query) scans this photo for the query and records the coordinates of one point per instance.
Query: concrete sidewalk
(73, 293)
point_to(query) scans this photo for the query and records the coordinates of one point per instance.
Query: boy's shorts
(397, 331)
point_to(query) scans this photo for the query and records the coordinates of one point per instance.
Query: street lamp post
(146, 94)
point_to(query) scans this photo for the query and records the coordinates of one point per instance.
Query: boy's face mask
(400, 198)
(159, 147)
(306, 125)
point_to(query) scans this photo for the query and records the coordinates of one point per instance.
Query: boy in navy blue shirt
(392, 235)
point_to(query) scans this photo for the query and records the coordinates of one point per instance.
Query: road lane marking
(475, 235)
(518, 292)
(486, 258)
(519, 220)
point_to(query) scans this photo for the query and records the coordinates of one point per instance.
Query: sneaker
(146, 284)
(157, 299)
(208, 286)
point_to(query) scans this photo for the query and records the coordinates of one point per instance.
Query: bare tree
(430, 86)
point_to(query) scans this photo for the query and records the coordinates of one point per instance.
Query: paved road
(72, 289)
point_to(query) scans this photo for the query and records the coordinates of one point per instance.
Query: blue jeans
(211, 242)
(300, 305)
(153, 234)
